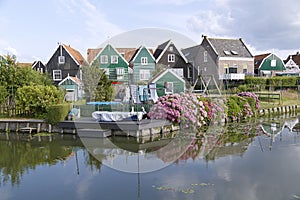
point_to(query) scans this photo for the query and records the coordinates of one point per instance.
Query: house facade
(168, 82)
(142, 65)
(224, 59)
(39, 66)
(168, 56)
(73, 87)
(268, 65)
(114, 64)
(65, 61)
(292, 65)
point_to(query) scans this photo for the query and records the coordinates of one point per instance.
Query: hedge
(57, 113)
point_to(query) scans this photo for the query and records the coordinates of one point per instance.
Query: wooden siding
(266, 64)
(178, 85)
(110, 51)
(70, 67)
(138, 66)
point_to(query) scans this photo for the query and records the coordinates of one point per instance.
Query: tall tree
(97, 86)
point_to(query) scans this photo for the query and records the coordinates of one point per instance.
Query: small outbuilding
(268, 64)
(168, 82)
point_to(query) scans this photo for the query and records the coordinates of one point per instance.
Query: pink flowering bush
(184, 109)
(251, 95)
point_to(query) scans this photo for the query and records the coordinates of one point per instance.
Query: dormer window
(234, 52)
(227, 53)
(61, 60)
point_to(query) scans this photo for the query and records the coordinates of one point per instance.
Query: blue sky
(31, 29)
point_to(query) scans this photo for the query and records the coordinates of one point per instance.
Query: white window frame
(107, 71)
(114, 59)
(55, 73)
(61, 60)
(103, 59)
(205, 56)
(171, 58)
(169, 87)
(144, 60)
(145, 74)
(120, 73)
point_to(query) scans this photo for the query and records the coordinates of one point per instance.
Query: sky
(31, 29)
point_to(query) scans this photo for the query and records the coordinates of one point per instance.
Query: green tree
(90, 78)
(104, 90)
(97, 86)
(37, 99)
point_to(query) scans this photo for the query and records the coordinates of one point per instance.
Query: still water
(249, 160)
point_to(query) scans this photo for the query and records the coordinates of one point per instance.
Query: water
(245, 163)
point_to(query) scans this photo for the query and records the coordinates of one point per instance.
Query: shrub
(57, 113)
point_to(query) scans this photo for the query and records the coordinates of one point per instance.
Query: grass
(289, 97)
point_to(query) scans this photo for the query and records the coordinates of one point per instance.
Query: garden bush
(57, 113)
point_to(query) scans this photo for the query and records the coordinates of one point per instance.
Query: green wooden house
(142, 65)
(168, 82)
(268, 64)
(114, 64)
(73, 87)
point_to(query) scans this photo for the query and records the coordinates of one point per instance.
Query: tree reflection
(19, 155)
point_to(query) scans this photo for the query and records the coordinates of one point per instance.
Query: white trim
(71, 54)
(165, 49)
(236, 59)
(166, 71)
(105, 59)
(212, 46)
(144, 60)
(171, 57)
(114, 50)
(139, 51)
(53, 76)
(69, 78)
(112, 57)
(145, 71)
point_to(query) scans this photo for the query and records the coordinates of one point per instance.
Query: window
(234, 52)
(233, 69)
(57, 75)
(104, 59)
(169, 87)
(144, 74)
(178, 72)
(171, 58)
(144, 60)
(273, 63)
(61, 60)
(171, 48)
(205, 56)
(245, 69)
(227, 53)
(120, 73)
(189, 72)
(107, 71)
(114, 59)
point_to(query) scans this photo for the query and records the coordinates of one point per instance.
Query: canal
(256, 159)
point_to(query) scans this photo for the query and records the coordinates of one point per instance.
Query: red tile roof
(76, 55)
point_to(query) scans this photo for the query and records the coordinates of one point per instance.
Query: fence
(12, 111)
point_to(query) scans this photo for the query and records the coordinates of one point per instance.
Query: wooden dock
(24, 125)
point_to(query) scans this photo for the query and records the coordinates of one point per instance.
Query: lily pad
(296, 196)
(187, 191)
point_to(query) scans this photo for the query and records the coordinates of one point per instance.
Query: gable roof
(258, 59)
(191, 52)
(266, 62)
(162, 73)
(136, 53)
(295, 58)
(225, 47)
(40, 63)
(76, 80)
(92, 54)
(118, 51)
(162, 48)
(76, 55)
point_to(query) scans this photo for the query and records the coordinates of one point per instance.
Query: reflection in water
(250, 160)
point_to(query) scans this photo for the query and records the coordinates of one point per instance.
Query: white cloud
(170, 2)
(11, 50)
